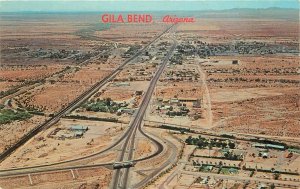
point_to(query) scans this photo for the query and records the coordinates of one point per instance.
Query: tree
(189, 140)
(259, 154)
(272, 186)
(226, 155)
(276, 176)
(223, 145)
(108, 101)
(231, 145)
(272, 170)
(220, 163)
(200, 143)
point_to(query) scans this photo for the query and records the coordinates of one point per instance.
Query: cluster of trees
(203, 142)
(266, 141)
(8, 92)
(133, 49)
(8, 115)
(105, 105)
(232, 156)
(107, 119)
(181, 129)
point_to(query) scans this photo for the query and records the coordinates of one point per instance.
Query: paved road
(121, 176)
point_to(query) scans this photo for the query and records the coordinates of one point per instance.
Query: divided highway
(120, 178)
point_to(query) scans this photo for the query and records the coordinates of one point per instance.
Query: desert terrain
(210, 104)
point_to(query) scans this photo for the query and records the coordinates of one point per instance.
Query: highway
(172, 159)
(120, 178)
(77, 165)
(78, 101)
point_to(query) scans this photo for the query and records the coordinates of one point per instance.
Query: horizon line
(95, 11)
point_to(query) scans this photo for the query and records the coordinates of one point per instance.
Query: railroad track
(75, 103)
(128, 145)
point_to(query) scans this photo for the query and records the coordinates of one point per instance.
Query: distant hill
(268, 13)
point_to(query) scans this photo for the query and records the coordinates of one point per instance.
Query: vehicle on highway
(125, 164)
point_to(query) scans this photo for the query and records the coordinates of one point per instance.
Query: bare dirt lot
(91, 178)
(18, 129)
(254, 100)
(26, 73)
(60, 143)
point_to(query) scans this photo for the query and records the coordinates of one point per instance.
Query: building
(122, 84)
(262, 186)
(126, 110)
(233, 170)
(79, 128)
(188, 99)
(277, 147)
(258, 145)
(294, 150)
(144, 57)
(269, 146)
(78, 134)
(174, 101)
(197, 104)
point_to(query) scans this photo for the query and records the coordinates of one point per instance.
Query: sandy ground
(143, 148)
(27, 72)
(90, 178)
(44, 149)
(6, 85)
(254, 103)
(224, 95)
(18, 128)
(227, 29)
